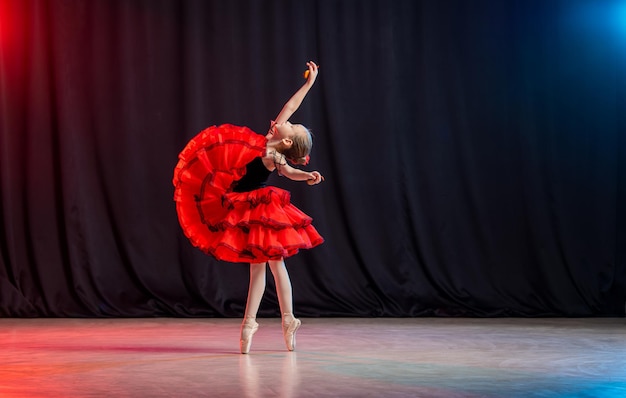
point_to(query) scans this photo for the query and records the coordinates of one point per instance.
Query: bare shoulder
(270, 160)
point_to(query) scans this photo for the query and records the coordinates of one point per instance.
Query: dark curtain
(474, 153)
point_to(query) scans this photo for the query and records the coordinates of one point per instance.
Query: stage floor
(334, 357)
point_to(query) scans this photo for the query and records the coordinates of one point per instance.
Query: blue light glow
(600, 16)
(620, 18)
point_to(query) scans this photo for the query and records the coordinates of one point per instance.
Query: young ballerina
(227, 210)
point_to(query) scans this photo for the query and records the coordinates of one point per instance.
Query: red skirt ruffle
(251, 227)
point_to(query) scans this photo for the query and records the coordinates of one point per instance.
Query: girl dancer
(227, 210)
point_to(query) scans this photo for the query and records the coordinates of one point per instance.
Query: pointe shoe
(289, 331)
(248, 329)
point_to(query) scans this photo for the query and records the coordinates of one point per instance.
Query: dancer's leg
(283, 286)
(256, 289)
(255, 294)
(285, 301)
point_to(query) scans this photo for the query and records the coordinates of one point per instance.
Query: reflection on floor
(380, 357)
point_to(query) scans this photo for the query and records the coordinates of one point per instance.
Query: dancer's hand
(311, 73)
(315, 178)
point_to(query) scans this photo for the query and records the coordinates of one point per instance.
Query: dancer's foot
(248, 329)
(290, 325)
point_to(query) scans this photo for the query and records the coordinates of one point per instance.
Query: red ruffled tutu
(251, 227)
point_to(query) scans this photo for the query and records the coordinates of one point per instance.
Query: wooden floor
(416, 357)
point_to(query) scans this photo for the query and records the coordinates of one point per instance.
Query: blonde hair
(300, 148)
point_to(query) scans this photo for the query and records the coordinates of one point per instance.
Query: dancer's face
(288, 130)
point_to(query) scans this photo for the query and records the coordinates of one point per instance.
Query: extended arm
(294, 102)
(312, 177)
(274, 160)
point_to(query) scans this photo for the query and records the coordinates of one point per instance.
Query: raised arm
(294, 102)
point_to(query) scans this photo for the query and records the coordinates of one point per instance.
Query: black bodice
(256, 176)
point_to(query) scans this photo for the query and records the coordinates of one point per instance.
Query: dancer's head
(296, 142)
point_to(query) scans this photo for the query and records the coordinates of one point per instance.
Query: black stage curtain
(474, 153)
